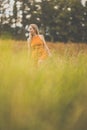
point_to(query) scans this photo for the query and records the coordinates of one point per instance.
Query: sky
(9, 7)
(83, 2)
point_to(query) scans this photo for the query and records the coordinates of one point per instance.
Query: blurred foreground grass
(51, 97)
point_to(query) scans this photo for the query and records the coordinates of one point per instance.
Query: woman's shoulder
(41, 36)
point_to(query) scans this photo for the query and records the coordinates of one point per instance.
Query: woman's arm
(29, 45)
(29, 41)
(45, 45)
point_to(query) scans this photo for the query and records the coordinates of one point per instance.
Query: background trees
(59, 20)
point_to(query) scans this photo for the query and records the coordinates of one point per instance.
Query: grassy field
(50, 97)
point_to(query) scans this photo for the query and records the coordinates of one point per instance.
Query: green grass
(6, 36)
(50, 97)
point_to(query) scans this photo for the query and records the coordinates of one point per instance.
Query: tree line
(58, 20)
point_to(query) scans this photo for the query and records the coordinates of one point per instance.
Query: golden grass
(50, 97)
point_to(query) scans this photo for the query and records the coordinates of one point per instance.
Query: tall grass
(49, 97)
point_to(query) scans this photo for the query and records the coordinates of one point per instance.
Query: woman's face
(31, 30)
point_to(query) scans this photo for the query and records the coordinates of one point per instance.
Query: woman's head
(33, 29)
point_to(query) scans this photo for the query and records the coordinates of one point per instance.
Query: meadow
(49, 97)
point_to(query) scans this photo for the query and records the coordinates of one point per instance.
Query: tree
(59, 20)
(84, 24)
(4, 15)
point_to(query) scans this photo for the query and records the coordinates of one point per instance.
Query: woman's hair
(35, 27)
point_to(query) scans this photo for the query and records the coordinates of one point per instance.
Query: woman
(38, 48)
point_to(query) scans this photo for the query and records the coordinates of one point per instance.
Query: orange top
(36, 40)
(38, 51)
